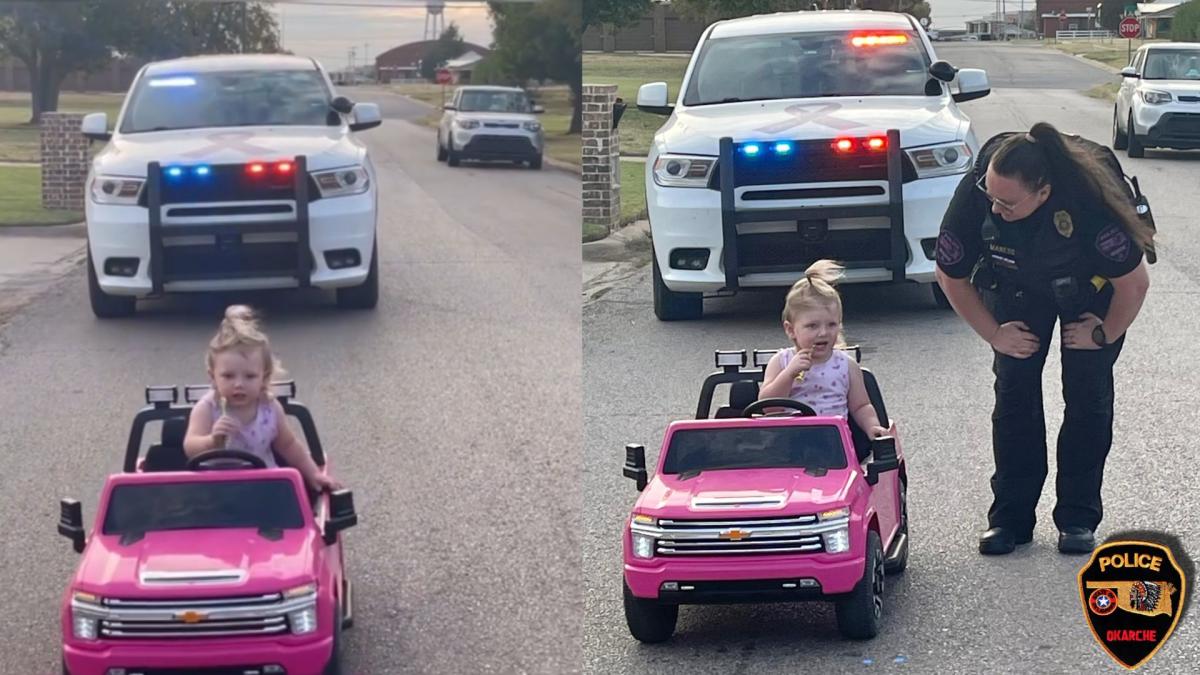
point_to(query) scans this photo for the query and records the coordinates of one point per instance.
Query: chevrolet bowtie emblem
(734, 534)
(191, 616)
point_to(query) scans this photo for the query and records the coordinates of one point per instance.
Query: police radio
(1142, 205)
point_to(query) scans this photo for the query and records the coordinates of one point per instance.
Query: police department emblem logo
(1062, 223)
(1132, 594)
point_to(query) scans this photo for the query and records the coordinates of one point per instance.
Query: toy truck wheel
(672, 306)
(860, 611)
(899, 559)
(1120, 140)
(366, 295)
(649, 620)
(106, 306)
(334, 667)
(1136, 149)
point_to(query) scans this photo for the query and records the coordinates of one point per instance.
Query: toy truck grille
(795, 534)
(208, 617)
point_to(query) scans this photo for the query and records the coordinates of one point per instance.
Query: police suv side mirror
(365, 116)
(342, 104)
(943, 71)
(95, 127)
(652, 98)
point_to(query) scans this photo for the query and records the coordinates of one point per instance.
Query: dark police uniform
(1052, 265)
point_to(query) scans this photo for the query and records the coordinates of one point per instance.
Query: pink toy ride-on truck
(215, 564)
(756, 505)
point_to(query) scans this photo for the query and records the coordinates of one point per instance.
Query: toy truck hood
(144, 568)
(745, 492)
(921, 121)
(324, 147)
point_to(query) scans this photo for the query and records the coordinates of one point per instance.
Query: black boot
(1002, 540)
(1076, 540)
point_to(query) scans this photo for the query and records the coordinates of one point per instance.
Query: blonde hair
(816, 290)
(239, 330)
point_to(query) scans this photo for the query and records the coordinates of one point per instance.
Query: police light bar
(731, 358)
(878, 40)
(763, 356)
(870, 144)
(201, 171)
(757, 149)
(162, 394)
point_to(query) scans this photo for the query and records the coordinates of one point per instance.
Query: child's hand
(226, 426)
(322, 483)
(801, 362)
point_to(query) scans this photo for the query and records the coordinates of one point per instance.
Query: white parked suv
(229, 173)
(490, 123)
(1158, 105)
(799, 136)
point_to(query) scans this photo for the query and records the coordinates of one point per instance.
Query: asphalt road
(451, 411)
(953, 611)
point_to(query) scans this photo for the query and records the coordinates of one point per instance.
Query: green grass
(629, 72)
(594, 232)
(1114, 52)
(21, 199)
(556, 120)
(21, 142)
(1106, 92)
(633, 192)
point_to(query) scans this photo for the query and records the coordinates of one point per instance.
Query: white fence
(1083, 35)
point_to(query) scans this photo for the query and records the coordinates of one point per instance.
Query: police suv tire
(365, 295)
(672, 306)
(859, 612)
(1120, 140)
(1136, 149)
(106, 306)
(900, 562)
(939, 297)
(536, 162)
(649, 621)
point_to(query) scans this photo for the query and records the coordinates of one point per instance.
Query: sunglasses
(1002, 204)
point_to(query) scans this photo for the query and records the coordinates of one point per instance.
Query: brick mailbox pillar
(601, 157)
(65, 158)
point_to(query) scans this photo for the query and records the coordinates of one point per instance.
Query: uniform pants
(1019, 423)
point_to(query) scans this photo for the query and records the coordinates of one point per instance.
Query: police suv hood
(323, 148)
(921, 121)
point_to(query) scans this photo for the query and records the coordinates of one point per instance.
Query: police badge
(1062, 223)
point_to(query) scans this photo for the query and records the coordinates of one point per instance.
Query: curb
(613, 247)
(563, 166)
(71, 230)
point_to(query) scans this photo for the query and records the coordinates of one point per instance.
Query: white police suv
(228, 173)
(799, 136)
(1158, 104)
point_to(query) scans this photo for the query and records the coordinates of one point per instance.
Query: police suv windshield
(493, 101)
(228, 99)
(808, 65)
(801, 447)
(257, 504)
(1172, 64)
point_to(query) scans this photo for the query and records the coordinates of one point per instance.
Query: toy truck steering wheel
(198, 462)
(758, 406)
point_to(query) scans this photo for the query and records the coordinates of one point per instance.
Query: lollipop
(220, 438)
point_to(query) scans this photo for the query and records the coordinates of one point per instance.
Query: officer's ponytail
(1043, 155)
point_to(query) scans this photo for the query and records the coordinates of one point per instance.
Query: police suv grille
(775, 535)
(787, 250)
(228, 256)
(208, 617)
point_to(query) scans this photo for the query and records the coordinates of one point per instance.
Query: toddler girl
(814, 370)
(239, 411)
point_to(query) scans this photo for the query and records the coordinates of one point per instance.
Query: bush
(1185, 27)
(492, 71)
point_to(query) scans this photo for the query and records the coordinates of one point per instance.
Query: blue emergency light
(751, 149)
(783, 148)
(174, 172)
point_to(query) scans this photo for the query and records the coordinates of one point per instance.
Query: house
(404, 62)
(1156, 17)
(1056, 15)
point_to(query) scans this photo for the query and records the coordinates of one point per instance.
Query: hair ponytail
(239, 330)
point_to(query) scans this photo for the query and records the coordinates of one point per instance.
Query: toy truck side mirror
(635, 464)
(341, 514)
(70, 522)
(883, 458)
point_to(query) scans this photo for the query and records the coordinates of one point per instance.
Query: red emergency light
(879, 40)
(261, 168)
(848, 145)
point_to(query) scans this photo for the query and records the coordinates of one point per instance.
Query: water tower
(435, 20)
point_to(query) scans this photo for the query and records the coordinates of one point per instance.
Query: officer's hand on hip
(1015, 339)
(1078, 335)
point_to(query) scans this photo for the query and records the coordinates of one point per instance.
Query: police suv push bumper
(731, 216)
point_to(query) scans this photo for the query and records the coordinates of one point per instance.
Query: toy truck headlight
(303, 618)
(941, 160)
(116, 190)
(643, 542)
(837, 541)
(683, 170)
(85, 615)
(342, 182)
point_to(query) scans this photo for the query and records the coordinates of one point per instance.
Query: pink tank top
(256, 437)
(826, 386)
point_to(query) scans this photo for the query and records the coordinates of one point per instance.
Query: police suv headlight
(116, 190)
(683, 170)
(941, 160)
(342, 182)
(466, 124)
(1155, 97)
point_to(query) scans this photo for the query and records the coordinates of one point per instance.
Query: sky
(328, 30)
(954, 14)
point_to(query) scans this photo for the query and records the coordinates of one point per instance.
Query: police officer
(1043, 231)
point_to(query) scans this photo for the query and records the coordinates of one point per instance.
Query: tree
(449, 45)
(1185, 27)
(615, 13)
(541, 41)
(55, 39)
(713, 10)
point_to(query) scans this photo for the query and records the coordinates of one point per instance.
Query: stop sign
(1129, 28)
(443, 76)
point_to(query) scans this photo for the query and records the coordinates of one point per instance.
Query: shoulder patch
(949, 248)
(1113, 243)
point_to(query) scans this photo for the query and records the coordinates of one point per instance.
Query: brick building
(404, 62)
(1079, 15)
